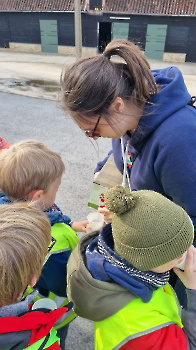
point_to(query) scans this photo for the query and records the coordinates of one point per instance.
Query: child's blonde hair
(26, 166)
(25, 234)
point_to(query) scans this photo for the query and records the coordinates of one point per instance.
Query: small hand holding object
(188, 276)
(107, 215)
(88, 229)
(95, 220)
(80, 226)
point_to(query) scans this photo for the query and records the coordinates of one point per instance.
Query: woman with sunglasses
(144, 112)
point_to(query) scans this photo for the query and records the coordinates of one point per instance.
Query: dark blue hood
(104, 271)
(54, 214)
(173, 88)
(172, 97)
(4, 199)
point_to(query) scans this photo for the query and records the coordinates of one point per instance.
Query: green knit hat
(149, 230)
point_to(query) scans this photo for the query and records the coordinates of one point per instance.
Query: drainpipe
(78, 29)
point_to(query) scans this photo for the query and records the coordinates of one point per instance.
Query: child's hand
(188, 277)
(108, 215)
(88, 229)
(80, 226)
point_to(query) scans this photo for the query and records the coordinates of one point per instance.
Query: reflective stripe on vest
(138, 318)
(52, 339)
(60, 302)
(66, 239)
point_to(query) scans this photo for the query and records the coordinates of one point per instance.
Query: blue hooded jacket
(54, 213)
(163, 146)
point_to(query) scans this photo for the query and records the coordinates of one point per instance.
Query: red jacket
(18, 332)
(168, 338)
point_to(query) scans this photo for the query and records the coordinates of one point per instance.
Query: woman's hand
(95, 175)
(188, 276)
(108, 215)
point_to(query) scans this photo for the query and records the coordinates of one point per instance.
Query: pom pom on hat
(119, 199)
(148, 229)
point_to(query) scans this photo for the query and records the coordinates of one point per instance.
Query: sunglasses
(93, 132)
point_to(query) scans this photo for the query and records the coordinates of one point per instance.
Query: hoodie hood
(4, 199)
(17, 309)
(172, 97)
(88, 293)
(54, 214)
(172, 89)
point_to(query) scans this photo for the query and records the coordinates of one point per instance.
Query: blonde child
(31, 171)
(25, 235)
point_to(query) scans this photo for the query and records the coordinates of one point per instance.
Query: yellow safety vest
(66, 239)
(138, 318)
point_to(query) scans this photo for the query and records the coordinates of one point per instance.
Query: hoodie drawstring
(125, 157)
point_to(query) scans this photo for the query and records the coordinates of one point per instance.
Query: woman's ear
(117, 105)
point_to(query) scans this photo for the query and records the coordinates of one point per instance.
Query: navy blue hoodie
(163, 146)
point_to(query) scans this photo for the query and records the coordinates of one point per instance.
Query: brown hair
(25, 234)
(92, 84)
(26, 166)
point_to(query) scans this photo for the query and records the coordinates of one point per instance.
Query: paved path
(38, 75)
(32, 75)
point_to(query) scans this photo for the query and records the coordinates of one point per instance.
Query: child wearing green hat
(118, 277)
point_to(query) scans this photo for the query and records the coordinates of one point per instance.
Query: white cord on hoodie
(125, 171)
